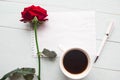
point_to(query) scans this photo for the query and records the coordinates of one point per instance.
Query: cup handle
(62, 48)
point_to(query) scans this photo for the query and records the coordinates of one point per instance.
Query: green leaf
(25, 73)
(16, 76)
(48, 53)
(28, 77)
(8, 74)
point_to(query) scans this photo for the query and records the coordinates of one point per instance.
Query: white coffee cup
(81, 74)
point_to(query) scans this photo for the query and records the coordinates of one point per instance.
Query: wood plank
(14, 9)
(16, 43)
(107, 6)
(50, 70)
(102, 23)
(22, 1)
(109, 58)
(102, 74)
(15, 50)
(13, 21)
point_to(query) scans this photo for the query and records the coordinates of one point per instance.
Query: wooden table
(15, 40)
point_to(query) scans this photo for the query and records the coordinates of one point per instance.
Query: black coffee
(75, 61)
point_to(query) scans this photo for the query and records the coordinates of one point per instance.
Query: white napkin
(69, 29)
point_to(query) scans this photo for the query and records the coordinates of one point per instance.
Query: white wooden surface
(15, 40)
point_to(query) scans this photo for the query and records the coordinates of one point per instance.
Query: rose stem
(37, 46)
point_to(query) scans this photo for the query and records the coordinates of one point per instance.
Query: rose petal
(30, 12)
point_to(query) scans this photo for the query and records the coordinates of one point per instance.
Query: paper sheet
(69, 29)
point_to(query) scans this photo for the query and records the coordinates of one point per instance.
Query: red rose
(30, 12)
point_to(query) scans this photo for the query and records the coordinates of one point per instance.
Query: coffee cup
(75, 63)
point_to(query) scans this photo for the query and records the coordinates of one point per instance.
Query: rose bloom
(30, 12)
